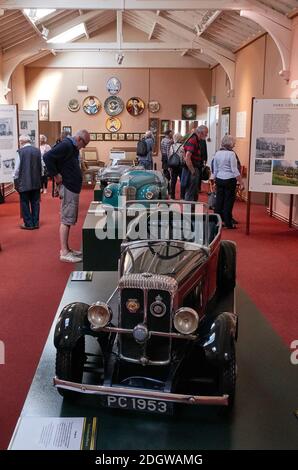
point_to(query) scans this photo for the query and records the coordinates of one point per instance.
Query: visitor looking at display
(62, 162)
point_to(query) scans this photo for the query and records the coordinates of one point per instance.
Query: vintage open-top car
(136, 184)
(161, 339)
(112, 173)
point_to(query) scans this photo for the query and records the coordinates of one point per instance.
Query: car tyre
(226, 271)
(227, 376)
(70, 366)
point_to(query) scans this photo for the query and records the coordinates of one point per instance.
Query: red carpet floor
(33, 280)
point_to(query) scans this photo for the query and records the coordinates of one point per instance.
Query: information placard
(8, 141)
(274, 143)
(28, 125)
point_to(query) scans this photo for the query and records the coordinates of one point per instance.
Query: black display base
(99, 255)
(266, 398)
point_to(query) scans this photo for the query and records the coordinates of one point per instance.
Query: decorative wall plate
(113, 105)
(113, 124)
(135, 106)
(153, 106)
(91, 105)
(113, 86)
(73, 105)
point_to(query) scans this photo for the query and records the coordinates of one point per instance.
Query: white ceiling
(224, 28)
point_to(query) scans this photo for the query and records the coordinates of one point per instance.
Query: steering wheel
(171, 228)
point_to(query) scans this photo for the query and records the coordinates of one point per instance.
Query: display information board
(8, 141)
(28, 125)
(274, 143)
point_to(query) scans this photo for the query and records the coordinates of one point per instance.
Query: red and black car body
(161, 339)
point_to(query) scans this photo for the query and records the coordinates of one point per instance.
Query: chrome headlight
(149, 195)
(186, 320)
(99, 315)
(108, 192)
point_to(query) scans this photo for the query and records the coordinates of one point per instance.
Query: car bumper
(141, 393)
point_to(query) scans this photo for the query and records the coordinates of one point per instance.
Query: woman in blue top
(226, 175)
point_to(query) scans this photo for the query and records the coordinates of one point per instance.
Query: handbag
(212, 200)
(206, 172)
(174, 160)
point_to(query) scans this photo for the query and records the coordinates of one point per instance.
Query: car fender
(113, 200)
(217, 343)
(70, 325)
(141, 193)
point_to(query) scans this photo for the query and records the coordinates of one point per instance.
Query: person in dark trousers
(176, 147)
(44, 147)
(165, 145)
(203, 150)
(62, 163)
(191, 173)
(226, 175)
(27, 178)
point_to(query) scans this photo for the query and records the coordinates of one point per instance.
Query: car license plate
(139, 404)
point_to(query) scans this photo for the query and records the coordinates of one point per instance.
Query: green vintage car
(142, 185)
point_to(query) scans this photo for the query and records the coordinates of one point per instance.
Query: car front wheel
(70, 366)
(227, 376)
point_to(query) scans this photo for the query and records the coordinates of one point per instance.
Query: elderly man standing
(62, 162)
(191, 173)
(27, 178)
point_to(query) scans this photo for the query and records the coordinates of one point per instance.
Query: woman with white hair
(226, 176)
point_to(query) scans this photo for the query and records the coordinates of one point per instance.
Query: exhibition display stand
(263, 416)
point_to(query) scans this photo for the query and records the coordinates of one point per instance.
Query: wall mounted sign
(91, 105)
(113, 86)
(113, 105)
(153, 106)
(73, 105)
(28, 124)
(113, 124)
(135, 106)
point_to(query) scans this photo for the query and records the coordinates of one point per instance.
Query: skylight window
(36, 14)
(69, 34)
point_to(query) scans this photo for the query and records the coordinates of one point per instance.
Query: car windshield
(162, 257)
(168, 221)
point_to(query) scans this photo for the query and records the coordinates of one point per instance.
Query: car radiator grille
(156, 348)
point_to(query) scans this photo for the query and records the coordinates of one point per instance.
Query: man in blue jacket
(27, 179)
(62, 163)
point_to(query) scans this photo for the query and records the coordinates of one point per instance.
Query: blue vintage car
(136, 184)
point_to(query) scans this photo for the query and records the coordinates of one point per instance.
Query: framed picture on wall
(189, 111)
(67, 129)
(129, 136)
(43, 109)
(108, 136)
(99, 136)
(114, 136)
(121, 136)
(164, 125)
(92, 136)
(136, 137)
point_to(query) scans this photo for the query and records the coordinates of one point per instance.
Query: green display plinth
(98, 192)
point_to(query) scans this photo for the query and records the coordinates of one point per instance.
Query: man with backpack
(191, 173)
(165, 145)
(144, 151)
